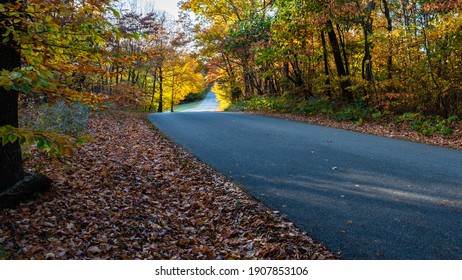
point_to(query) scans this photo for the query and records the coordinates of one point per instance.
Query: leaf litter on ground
(132, 194)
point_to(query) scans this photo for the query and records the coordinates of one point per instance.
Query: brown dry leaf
(131, 194)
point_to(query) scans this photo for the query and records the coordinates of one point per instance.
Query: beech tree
(11, 170)
(44, 45)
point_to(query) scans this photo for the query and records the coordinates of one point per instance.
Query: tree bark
(154, 80)
(386, 11)
(326, 64)
(11, 169)
(344, 52)
(161, 91)
(236, 92)
(345, 83)
(24, 190)
(173, 92)
(367, 58)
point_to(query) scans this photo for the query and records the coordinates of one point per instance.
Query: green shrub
(428, 125)
(356, 113)
(453, 119)
(59, 118)
(317, 106)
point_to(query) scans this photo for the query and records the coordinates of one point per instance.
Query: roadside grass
(358, 114)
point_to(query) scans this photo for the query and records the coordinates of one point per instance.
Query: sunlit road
(209, 104)
(365, 196)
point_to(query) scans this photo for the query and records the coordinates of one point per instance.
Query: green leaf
(47, 145)
(40, 142)
(136, 36)
(5, 140)
(13, 137)
(15, 75)
(26, 88)
(43, 82)
(114, 12)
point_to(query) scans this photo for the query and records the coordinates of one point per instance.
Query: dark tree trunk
(11, 170)
(117, 74)
(367, 58)
(295, 76)
(345, 83)
(154, 78)
(136, 78)
(326, 64)
(173, 92)
(236, 92)
(386, 11)
(367, 73)
(344, 52)
(160, 108)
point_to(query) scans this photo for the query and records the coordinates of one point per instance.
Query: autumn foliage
(129, 193)
(85, 52)
(394, 55)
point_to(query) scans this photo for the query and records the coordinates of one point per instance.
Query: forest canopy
(395, 55)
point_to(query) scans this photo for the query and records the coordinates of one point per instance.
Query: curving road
(365, 196)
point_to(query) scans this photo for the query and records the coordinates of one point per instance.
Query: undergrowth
(358, 113)
(59, 118)
(57, 129)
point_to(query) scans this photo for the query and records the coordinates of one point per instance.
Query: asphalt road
(365, 196)
(209, 104)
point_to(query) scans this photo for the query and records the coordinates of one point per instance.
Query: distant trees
(397, 55)
(151, 61)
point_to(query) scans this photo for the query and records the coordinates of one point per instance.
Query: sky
(170, 6)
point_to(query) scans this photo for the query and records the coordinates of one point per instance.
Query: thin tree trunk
(117, 74)
(345, 83)
(344, 53)
(136, 77)
(432, 75)
(154, 80)
(367, 73)
(326, 64)
(236, 92)
(173, 92)
(160, 108)
(386, 11)
(366, 62)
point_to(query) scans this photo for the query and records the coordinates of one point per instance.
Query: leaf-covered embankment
(132, 194)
